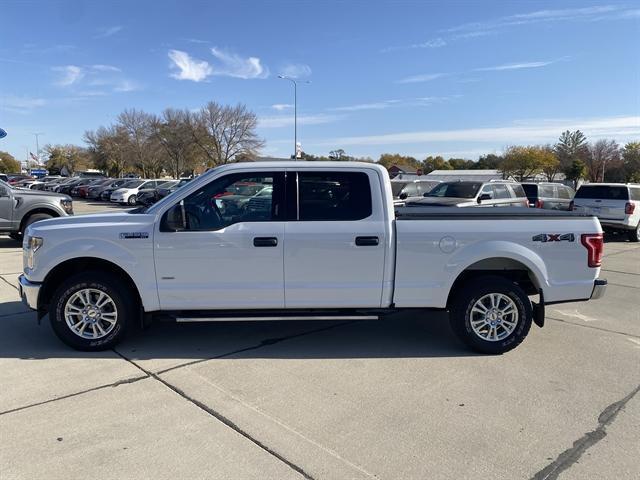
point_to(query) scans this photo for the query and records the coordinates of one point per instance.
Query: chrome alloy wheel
(90, 313)
(494, 317)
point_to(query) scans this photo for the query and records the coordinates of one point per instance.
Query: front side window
(228, 200)
(501, 191)
(333, 196)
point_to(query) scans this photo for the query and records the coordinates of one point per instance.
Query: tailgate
(604, 209)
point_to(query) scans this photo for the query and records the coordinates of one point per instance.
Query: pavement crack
(221, 418)
(571, 455)
(594, 328)
(264, 343)
(620, 271)
(82, 392)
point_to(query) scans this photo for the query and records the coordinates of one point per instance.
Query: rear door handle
(265, 242)
(367, 241)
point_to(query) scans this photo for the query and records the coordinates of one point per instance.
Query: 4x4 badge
(554, 237)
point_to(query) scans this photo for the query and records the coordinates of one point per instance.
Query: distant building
(466, 175)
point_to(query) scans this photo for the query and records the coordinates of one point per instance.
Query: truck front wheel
(33, 218)
(491, 314)
(90, 311)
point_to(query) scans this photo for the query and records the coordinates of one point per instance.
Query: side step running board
(267, 318)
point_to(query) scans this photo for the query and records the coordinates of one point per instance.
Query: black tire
(132, 200)
(634, 235)
(99, 281)
(466, 297)
(30, 219)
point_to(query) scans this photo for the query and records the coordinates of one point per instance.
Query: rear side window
(531, 191)
(547, 191)
(334, 196)
(565, 192)
(501, 191)
(519, 191)
(635, 193)
(603, 192)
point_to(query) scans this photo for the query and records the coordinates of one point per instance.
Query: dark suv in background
(550, 196)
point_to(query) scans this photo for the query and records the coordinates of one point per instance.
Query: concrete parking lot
(401, 399)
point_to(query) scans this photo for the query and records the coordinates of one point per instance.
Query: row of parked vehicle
(125, 191)
(616, 205)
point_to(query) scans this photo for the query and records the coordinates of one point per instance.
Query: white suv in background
(617, 206)
(129, 194)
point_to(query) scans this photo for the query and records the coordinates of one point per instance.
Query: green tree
(461, 163)
(576, 172)
(71, 157)
(430, 164)
(571, 146)
(389, 159)
(8, 164)
(522, 162)
(490, 161)
(549, 162)
(631, 161)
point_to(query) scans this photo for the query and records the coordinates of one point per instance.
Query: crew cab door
(6, 207)
(221, 247)
(335, 241)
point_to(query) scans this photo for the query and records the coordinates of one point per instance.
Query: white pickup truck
(307, 240)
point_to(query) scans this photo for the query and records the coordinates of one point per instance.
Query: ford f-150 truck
(307, 240)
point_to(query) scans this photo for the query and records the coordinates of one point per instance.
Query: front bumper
(599, 288)
(28, 292)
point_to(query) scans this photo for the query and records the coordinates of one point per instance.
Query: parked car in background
(552, 196)
(127, 194)
(54, 184)
(617, 206)
(84, 189)
(95, 191)
(163, 192)
(14, 178)
(20, 208)
(403, 189)
(473, 194)
(149, 196)
(42, 182)
(86, 181)
(66, 187)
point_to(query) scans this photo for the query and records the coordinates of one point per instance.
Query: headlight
(67, 206)
(32, 245)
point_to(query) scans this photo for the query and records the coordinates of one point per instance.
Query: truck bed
(480, 213)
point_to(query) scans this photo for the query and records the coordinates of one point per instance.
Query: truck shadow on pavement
(397, 337)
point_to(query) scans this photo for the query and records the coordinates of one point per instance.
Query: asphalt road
(401, 399)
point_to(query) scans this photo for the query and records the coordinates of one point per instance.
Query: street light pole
(295, 113)
(37, 134)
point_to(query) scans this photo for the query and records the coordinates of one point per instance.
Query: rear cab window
(337, 196)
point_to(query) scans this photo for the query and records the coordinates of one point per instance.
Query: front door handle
(367, 241)
(265, 242)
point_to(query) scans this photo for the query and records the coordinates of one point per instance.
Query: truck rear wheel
(90, 311)
(491, 314)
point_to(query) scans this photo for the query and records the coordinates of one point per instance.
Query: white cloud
(593, 13)
(384, 104)
(108, 31)
(425, 77)
(281, 106)
(537, 131)
(286, 121)
(433, 43)
(514, 66)
(296, 70)
(188, 68)
(105, 68)
(366, 106)
(69, 74)
(22, 104)
(233, 65)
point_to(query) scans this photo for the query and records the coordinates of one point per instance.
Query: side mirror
(483, 197)
(403, 196)
(175, 218)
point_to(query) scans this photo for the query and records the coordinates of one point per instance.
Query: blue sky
(457, 78)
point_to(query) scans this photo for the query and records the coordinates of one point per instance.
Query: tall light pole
(295, 113)
(37, 134)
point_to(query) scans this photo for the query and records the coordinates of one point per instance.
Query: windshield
(455, 190)
(133, 184)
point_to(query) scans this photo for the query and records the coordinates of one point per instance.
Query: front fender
(136, 259)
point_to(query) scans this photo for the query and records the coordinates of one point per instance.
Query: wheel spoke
(90, 302)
